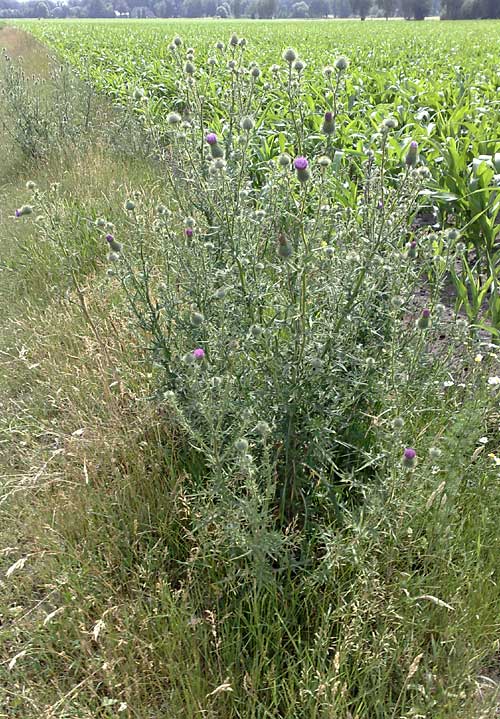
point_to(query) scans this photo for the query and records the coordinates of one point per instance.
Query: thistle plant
(273, 305)
(276, 297)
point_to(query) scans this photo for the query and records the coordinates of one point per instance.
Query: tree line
(409, 9)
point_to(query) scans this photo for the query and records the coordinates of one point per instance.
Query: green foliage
(450, 110)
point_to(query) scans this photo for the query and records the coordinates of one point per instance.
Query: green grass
(114, 608)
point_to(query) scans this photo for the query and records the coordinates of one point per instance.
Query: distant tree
(451, 9)
(489, 8)
(266, 8)
(191, 8)
(421, 8)
(361, 7)
(387, 7)
(319, 8)
(60, 11)
(41, 10)
(342, 8)
(98, 8)
(300, 9)
(121, 6)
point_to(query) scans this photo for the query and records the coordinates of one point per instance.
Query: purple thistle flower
(424, 320)
(189, 231)
(412, 249)
(328, 126)
(409, 458)
(113, 244)
(301, 163)
(412, 154)
(18, 213)
(198, 353)
(211, 138)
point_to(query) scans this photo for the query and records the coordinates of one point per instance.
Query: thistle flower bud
(460, 248)
(255, 73)
(177, 41)
(233, 40)
(341, 63)
(452, 235)
(424, 320)
(316, 364)
(284, 247)
(391, 123)
(299, 66)
(189, 68)
(409, 459)
(219, 45)
(241, 445)
(174, 118)
(197, 319)
(220, 164)
(129, 205)
(284, 160)
(30, 185)
(189, 222)
(100, 222)
(412, 249)
(324, 162)
(328, 71)
(411, 158)
(301, 166)
(247, 123)
(262, 429)
(328, 126)
(113, 257)
(256, 331)
(434, 453)
(398, 423)
(290, 55)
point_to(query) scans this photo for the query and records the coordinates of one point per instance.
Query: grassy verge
(111, 607)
